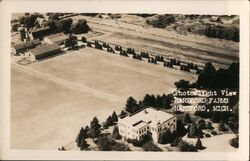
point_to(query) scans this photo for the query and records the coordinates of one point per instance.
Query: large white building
(147, 120)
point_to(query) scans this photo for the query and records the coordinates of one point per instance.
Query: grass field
(52, 99)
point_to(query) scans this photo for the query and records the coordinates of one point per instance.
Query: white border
(139, 6)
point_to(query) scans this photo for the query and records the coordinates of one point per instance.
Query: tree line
(160, 101)
(55, 24)
(216, 80)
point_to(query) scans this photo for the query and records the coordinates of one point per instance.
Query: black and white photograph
(120, 82)
(165, 83)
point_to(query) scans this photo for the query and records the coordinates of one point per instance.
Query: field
(132, 31)
(52, 99)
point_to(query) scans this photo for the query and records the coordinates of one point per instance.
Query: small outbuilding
(43, 51)
(25, 46)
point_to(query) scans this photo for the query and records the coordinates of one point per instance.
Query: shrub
(61, 148)
(150, 146)
(83, 39)
(105, 143)
(139, 143)
(235, 142)
(214, 133)
(186, 147)
(176, 141)
(135, 142)
(222, 127)
(207, 135)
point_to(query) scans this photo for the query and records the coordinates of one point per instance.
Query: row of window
(141, 131)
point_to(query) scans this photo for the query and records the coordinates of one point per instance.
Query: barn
(43, 51)
(58, 38)
(25, 46)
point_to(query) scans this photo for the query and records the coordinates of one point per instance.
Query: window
(174, 120)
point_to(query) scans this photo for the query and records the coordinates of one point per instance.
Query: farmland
(185, 46)
(51, 99)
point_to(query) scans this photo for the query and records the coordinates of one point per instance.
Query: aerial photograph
(124, 82)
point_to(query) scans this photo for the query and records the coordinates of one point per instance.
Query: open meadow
(53, 98)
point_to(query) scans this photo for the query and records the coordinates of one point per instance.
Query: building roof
(40, 32)
(42, 49)
(57, 37)
(147, 116)
(39, 20)
(26, 44)
(40, 29)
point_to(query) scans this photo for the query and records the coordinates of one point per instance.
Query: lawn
(52, 99)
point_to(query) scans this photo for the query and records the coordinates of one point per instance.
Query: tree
(201, 124)
(83, 144)
(235, 142)
(114, 117)
(71, 42)
(166, 137)
(109, 121)
(80, 140)
(198, 144)
(80, 27)
(116, 134)
(64, 25)
(206, 77)
(182, 84)
(83, 39)
(122, 114)
(53, 25)
(187, 118)
(104, 144)
(181, 130)
(53, 16)
(79, 137)
(209, 125)
(95, 128)
(185, 146)
(29, 20)
(14, 27)
(131, 105)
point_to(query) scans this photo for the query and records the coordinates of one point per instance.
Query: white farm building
(147, 120)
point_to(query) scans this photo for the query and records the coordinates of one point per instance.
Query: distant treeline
(222, 32)
(161, 21)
